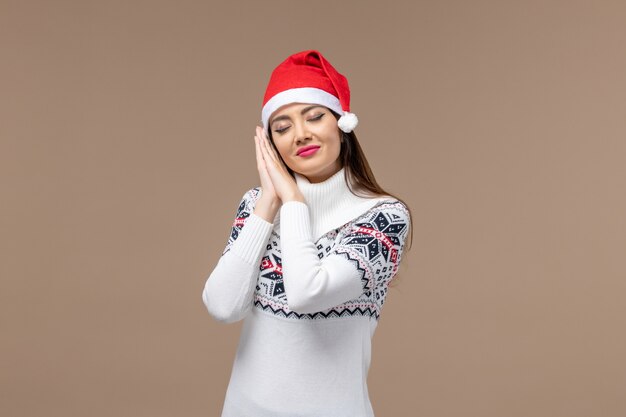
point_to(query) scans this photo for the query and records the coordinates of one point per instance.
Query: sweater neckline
(331, 203)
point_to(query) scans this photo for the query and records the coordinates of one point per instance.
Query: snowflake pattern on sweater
(373, 242)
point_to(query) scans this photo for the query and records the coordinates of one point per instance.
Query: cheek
(282, 151)
(337, 148)
(277, 146)
(328, 131)
(334, 141)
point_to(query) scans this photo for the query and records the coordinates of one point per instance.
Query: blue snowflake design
(373, 243)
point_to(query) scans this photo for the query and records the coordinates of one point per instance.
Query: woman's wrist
(267, 208)
(296, 195)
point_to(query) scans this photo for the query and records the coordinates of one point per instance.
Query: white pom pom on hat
(307, 77)
(348, 122)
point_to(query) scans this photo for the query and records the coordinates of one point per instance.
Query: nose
(301, 132)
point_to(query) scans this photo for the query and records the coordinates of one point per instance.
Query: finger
(259, 143)
(259, 132)
(264, 139)
(271, 146)
(267, 152)
(275, 155)
(261, 165)
(272, 151)
(259, 156)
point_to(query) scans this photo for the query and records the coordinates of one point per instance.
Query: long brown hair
(358, 174)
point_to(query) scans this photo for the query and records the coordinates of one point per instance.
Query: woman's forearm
(312, 284)
(229, 290)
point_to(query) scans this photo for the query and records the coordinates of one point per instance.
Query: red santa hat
(307, 77)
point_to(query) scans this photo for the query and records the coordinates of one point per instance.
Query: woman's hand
(269, 203)
(273, 170)
(269, 193)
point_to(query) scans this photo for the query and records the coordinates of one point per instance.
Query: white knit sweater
(310, 287)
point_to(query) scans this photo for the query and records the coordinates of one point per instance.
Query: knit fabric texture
(310, 287)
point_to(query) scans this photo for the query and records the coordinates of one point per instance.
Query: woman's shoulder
(393, 204)
(388, 218)
(389, 206)
(253, 193)
(248, 200)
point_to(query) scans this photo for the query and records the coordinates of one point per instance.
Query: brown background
(127, 141)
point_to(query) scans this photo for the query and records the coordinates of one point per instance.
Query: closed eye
(313, 119)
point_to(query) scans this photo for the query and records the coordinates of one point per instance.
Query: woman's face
(308, 139)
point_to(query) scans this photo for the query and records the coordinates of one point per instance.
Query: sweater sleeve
(368, 255)
(229, 290)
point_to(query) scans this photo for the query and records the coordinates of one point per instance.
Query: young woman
(310, 257)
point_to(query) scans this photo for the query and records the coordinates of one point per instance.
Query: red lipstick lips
(307, 150)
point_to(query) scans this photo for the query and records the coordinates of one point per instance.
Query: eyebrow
(304, 110)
